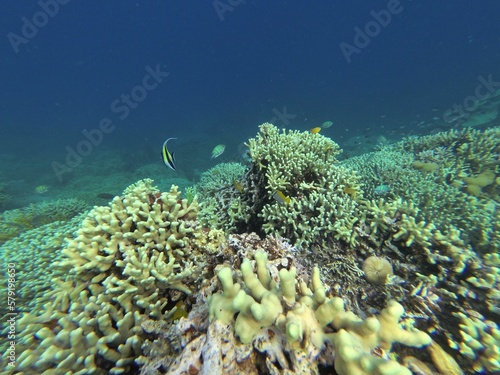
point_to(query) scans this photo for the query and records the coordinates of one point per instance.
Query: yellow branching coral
(122, 266)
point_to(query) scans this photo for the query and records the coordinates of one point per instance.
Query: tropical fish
(180, 311)
(168, 158)
(106, 196)
(217, 151)
(351, 191)
(280, 197)
(381, 190)
(315, 130)
(238, 186)
(41, 189)
(326, 124)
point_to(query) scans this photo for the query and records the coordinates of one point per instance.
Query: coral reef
(34, 254)
(128, 261)
(217, 189)
(448, 178)
(14, 222)
(354, 268)
(320, 197)
(464, 157)
(281, 326)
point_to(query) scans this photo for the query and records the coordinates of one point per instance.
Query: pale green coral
(289, 158)
(412, 231)
(489, 281)
(321, 210)
(301, 314)
(217, 190)
(14, 222)
(323, 196)
(191, 193)
(480, 342)
(442, 196)
(34, 253)
(124, 264)
(222, 175)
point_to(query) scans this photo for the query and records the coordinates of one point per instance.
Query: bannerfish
(326, 124)
(168, 158)
(217, 151)
(280, 197)
(315, 130)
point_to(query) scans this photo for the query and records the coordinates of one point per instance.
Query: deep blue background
(226, 77)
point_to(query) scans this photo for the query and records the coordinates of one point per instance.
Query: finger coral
(127, 262)
(295, 325)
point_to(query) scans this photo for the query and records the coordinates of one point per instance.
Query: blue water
(231, 67)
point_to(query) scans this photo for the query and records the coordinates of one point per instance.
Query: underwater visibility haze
(245, 187)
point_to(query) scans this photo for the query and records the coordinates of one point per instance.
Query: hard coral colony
(343, 275)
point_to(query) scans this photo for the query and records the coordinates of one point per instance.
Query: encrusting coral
(129, 261)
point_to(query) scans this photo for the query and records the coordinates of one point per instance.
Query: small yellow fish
(168, 158)
(280, 197)
(315, 130)
(217, 151)
(180, 311)
(238, 186)
(351, 191)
